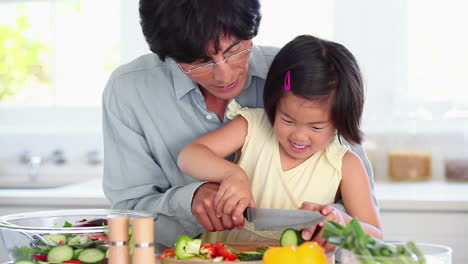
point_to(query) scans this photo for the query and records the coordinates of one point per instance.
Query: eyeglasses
(207, 68)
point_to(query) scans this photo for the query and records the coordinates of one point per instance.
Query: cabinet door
(437, 227)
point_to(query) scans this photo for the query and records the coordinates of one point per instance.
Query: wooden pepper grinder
(118, 236)
(143, 235)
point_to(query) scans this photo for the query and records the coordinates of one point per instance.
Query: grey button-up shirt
(151, 110)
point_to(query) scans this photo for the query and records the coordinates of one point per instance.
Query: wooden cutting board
(239, 247)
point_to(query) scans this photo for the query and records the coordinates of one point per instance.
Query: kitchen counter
(392, 196)
(423, 196)
(86, 193)
(441, 206)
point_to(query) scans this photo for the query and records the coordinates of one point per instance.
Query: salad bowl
(58, 235)
(433, 254)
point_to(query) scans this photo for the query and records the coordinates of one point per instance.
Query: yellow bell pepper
(306, 253)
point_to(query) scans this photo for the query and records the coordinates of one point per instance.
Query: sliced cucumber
(79, 240)
(91, 255)
(291, 236)
(77, 252)
(250, 255)
(60, 253)
(54, 239)
(24, 262)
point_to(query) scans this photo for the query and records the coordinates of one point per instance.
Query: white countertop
(89, 192)
(392, 196)
(433, 195)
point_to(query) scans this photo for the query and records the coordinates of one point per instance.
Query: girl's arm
(357, 197)
(203, 158)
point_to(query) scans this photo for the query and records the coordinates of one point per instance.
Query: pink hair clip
(287, 81)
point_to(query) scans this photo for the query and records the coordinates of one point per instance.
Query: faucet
(34, 162)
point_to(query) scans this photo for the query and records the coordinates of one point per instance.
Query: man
(155, 105)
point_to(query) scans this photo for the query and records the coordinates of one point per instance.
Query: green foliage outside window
(20, 59)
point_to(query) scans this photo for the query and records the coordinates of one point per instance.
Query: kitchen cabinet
(431, 212)
(438, 227)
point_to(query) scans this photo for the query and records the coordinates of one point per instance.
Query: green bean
(416, 251)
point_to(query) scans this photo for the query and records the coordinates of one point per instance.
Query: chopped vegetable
(224, 252)
(92, 222)
(291, 236)
(250, 255)
(207, 250)
(368, 249)
(40, 257)
(187, 247)
(91, 255)
(167, 252)
(60, 253)
(67, 248)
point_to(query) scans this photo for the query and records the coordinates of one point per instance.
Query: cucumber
(91, 255)
(77, 252)
(79, 240)
(24, 262)
(54, 239)
(250, 255)
(60, 253)
(291, 236)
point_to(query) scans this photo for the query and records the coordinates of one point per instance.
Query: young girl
(291, 152)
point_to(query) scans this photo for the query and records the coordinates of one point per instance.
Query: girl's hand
(314, 233)
(234, 196)
(332, 214)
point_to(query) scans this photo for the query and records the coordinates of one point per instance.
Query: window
(437, 55)
(283, 21)
(57, 53)
(413, 64)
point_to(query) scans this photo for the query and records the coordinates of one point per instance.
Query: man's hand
(204, 211)
(314, 233)
(233, 197)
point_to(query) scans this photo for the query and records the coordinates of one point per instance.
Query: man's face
(226, 80)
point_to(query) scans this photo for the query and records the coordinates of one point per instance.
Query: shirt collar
(257, 65)
(183, 84)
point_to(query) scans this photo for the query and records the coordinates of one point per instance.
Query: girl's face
(302, 126)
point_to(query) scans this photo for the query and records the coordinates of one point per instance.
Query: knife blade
(280, 219)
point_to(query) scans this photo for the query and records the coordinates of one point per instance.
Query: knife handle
(248, 214)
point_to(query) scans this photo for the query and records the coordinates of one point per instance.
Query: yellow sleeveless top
(315, 180)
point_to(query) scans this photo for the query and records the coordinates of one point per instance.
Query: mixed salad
(187, 248)
(67, 248)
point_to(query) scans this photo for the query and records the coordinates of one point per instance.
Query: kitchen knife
(280, 219)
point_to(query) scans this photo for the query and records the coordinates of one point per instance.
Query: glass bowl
(25, 235)
(433, 253)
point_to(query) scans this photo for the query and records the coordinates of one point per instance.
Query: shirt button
(209, 117)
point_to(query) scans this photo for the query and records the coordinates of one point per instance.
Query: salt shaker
(118, 235)
(143, 235)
